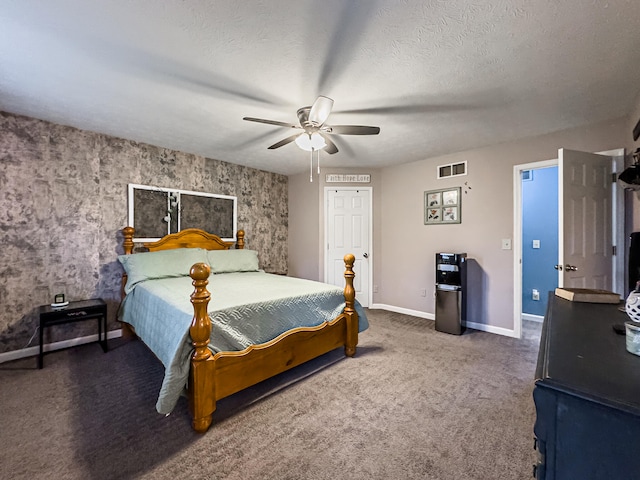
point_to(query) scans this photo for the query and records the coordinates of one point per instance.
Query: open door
(585, 253)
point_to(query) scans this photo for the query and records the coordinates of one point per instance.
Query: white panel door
(347, 230)
(585, 216)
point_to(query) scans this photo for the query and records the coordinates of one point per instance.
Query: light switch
(506, 244)
(536, 244)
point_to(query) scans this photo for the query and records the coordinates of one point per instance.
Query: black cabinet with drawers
(586, 395)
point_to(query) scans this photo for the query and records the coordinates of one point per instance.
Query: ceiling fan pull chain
(311, 167)
(318, 162)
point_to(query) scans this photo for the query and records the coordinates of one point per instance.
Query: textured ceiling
(436, 76)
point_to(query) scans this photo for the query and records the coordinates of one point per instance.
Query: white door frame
(617, 223)
(517, 238)
(617, 230)
(369, 249)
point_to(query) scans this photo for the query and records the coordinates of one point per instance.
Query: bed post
(127, 244)
(202, 401)
(240, 242)
(349, 310)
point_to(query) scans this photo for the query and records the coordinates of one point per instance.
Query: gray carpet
(413, 403)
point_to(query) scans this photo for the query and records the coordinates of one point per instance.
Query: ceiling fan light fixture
(309, 142)
(320, 110)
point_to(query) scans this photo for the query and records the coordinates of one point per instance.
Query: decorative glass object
(632, 330)
(632, 305)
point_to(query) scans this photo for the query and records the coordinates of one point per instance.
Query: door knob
(570, 268)
(558, 267)
(365, 255)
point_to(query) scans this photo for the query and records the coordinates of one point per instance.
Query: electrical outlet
(536, 244)
(375, 289)
(535, 294)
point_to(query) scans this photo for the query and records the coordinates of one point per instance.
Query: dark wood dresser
(586, 395)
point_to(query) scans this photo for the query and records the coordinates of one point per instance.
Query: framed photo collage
(442, 206)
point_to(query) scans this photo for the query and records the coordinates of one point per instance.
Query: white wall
(405, 248)
(306, 235)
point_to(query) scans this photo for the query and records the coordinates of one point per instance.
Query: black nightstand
(75, 312)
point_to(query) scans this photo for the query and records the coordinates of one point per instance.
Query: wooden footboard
(213, 377)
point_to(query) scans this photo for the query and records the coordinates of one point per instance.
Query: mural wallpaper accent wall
(63, 202)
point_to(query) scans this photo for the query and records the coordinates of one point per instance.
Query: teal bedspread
(245, 308)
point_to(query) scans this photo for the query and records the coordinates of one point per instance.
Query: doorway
(348, 229)
(616, 228)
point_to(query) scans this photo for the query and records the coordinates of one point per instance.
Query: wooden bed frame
(216, 376)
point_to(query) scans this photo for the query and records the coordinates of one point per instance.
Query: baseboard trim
(491, 329)
(430, 316)
(405, 311)
(532, 318)
(50, 347)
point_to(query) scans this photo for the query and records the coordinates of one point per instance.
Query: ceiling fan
(315, 133)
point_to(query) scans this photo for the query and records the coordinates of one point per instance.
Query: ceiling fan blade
(271, 122)
(417, 107)
(320, 110)
(351, 130)
(331, 147)
(281, 143)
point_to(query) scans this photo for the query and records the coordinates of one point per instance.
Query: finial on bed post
(202, 394)
(240, 242)
(349, 309)
(128, 244)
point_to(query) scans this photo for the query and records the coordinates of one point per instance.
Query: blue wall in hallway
(539, 222)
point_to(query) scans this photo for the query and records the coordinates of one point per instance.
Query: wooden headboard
(188, 238)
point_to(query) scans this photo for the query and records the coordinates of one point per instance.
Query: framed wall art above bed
(442, 206)
(157, 211)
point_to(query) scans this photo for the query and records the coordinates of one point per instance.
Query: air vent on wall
(452, 170)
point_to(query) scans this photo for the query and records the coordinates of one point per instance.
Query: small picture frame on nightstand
(59, 301)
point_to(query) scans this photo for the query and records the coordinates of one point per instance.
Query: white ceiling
(436, 76)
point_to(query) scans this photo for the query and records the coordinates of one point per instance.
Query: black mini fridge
(451, 285)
